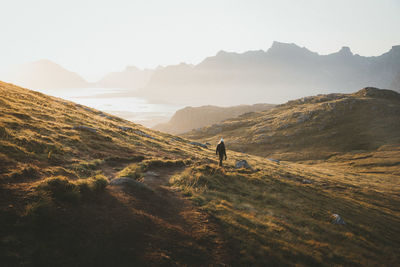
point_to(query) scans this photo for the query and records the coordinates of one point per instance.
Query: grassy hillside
(59, 205)
(190, 118)
(282, 214)
(41, 133)
(56, 159)
(316, 127)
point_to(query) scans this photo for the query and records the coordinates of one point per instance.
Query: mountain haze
(44, 74)
(130, 78)
(395, 85)
(283, 72)
(190, 118)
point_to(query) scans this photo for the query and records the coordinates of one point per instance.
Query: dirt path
(122, 226)
(175, 232)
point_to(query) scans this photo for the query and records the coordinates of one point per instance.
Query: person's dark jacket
(221, 150)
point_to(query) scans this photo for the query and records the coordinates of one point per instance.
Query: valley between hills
(82, 187)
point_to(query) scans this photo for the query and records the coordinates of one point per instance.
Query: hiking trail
(171, 230)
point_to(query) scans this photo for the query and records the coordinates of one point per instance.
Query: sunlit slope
(56, 208)
(282, 214)
(43, 132)
(315, 127)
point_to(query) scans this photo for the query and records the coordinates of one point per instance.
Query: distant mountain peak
(43, 62)
(395, 49)
(276, 44)
(44, 74)
(223, 53)
(345, 50)
(280, 48)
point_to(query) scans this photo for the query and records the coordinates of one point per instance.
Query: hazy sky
(95, 37)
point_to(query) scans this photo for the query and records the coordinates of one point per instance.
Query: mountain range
(45, 74)
(285, 71)
(130, 78)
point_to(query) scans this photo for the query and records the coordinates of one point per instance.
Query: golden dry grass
(274, 214)
(282, 214)
(314, 128)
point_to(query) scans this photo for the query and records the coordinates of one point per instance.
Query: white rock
(336, 219)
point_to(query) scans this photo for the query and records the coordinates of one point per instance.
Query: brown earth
(123, 226)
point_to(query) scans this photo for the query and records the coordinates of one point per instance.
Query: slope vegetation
(57, 207)
(79, 187)
(316, 127)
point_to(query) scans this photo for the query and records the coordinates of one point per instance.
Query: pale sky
(96, 37)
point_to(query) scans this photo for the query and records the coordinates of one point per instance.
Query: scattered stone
(85, 108)
(176, 138)
(303, 118)
(336, 219)
(105, 116)
(85, 128)
(242, 164)
(274, 160)
(144, 134)
(124, 128)
(198, 144)
(262, 130)
(126, 181)
(306, 181)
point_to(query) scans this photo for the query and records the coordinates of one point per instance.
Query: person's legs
(220, 161)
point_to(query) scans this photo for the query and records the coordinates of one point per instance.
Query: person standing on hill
(221, 151)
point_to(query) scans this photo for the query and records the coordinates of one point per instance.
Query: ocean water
(119, 102)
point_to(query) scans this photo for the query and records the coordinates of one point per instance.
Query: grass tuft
(62, 189)
(133, 171)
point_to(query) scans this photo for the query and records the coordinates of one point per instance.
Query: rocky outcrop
(336, 219)
(242, 164)
(129, 182)
(85, 128)
(198, 144)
